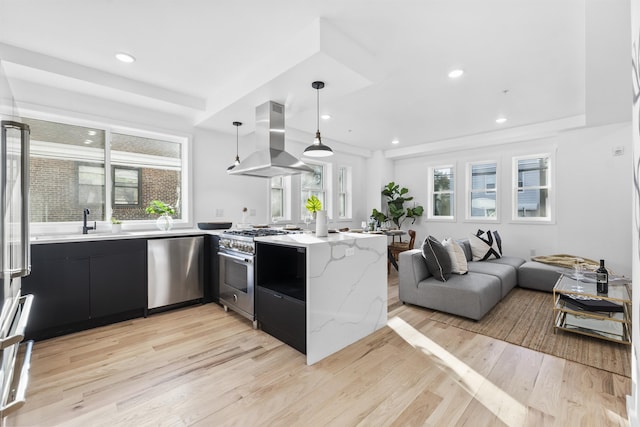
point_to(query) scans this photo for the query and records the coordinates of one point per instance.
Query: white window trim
(431, 192)
(468, 187)
(43, 228)
(286, 193)
(327, 177)
(348, 193)
(550, 219)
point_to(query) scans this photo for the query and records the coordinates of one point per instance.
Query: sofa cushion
(471, 295)
(539, 276)
(456, 255)
(466, 247)
(507, 274)
(437, 258)
(485, 245)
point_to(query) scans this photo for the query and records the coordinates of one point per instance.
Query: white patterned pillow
(458, 258)
(485, 245)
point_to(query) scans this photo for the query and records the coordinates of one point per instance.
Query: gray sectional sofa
(473, 294)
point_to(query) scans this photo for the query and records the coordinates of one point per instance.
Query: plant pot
(164, 222)
(116, 228)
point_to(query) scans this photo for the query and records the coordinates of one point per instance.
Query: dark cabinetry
(281, 293)
(82, 285)
(211, 270)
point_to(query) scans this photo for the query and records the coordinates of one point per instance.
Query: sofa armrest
(412, 268)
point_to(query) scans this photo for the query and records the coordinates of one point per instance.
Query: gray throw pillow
(437, 258)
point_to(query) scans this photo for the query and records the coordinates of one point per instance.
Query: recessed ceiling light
(454, 74)
(92, 133)
(501, 120)
(125, 57)
(325, 116)
(395, 142)
(88, 141)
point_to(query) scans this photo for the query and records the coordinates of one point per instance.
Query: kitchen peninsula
(321, 294)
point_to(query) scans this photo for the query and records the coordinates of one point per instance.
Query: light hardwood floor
(204, 367)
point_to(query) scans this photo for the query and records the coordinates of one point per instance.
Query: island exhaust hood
(270, 159)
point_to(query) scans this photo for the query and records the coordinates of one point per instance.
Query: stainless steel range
(237, 269)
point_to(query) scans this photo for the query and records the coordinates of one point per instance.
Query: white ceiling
(384, 62)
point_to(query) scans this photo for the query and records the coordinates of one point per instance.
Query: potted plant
(158, 207)
(116, 225)
(396, 198)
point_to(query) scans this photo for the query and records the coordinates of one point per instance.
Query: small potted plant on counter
(164, 221)
(116, 225)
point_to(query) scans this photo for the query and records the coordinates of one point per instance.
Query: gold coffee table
(578, 308)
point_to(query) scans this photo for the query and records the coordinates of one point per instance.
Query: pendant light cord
(318, 109)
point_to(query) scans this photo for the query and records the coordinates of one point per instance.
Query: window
(66, 171)
(312, 184)
(114, 173)
(277, 198)
(442, 192)
(531, 183)
(344, 192)
(158, 166)
(126, 186)
(482, 202)
(90, 185)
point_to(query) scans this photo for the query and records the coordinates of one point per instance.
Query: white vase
(321, 224)
(164, 222)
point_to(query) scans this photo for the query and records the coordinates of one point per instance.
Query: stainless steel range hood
(270, 159)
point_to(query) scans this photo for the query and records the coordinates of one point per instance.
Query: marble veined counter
(346, 288)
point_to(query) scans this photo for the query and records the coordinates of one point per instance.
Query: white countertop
(309, 239)
(99, 236)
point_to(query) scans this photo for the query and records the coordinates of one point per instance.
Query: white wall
(591, 192)
(213, 152)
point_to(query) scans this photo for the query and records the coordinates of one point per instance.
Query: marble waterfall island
(345, 288)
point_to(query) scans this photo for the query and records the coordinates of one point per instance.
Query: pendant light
(237, 162)
(318, 149)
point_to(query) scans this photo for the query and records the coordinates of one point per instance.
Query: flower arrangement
(115, 220)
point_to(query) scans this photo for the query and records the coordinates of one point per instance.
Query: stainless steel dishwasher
(175, 270)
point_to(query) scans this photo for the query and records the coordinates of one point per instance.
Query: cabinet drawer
(282, 317)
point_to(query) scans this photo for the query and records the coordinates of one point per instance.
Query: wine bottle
(602, 279)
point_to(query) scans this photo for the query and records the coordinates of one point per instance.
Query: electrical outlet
(252, 212)
(219, 213)
(349, 252)
(618, 151)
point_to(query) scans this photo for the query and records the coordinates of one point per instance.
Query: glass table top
(618, 288)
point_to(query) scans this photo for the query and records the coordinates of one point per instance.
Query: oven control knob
(235, 298)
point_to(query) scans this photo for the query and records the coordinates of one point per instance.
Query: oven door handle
(237, 258)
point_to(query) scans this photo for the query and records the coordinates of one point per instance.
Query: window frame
(518, 187)
(469, 192)
(432, 193)
(346, 172)
(326, 189)
(114, 186)
(286, 198)
(184, 140)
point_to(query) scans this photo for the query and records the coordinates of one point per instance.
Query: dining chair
(396, 247)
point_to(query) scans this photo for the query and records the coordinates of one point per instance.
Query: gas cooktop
(256, 232)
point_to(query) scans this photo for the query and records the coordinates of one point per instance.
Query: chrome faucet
(85, 229)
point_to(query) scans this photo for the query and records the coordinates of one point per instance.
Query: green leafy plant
(157, 207)
(313, 204)
(115, 220)
(396, 198)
